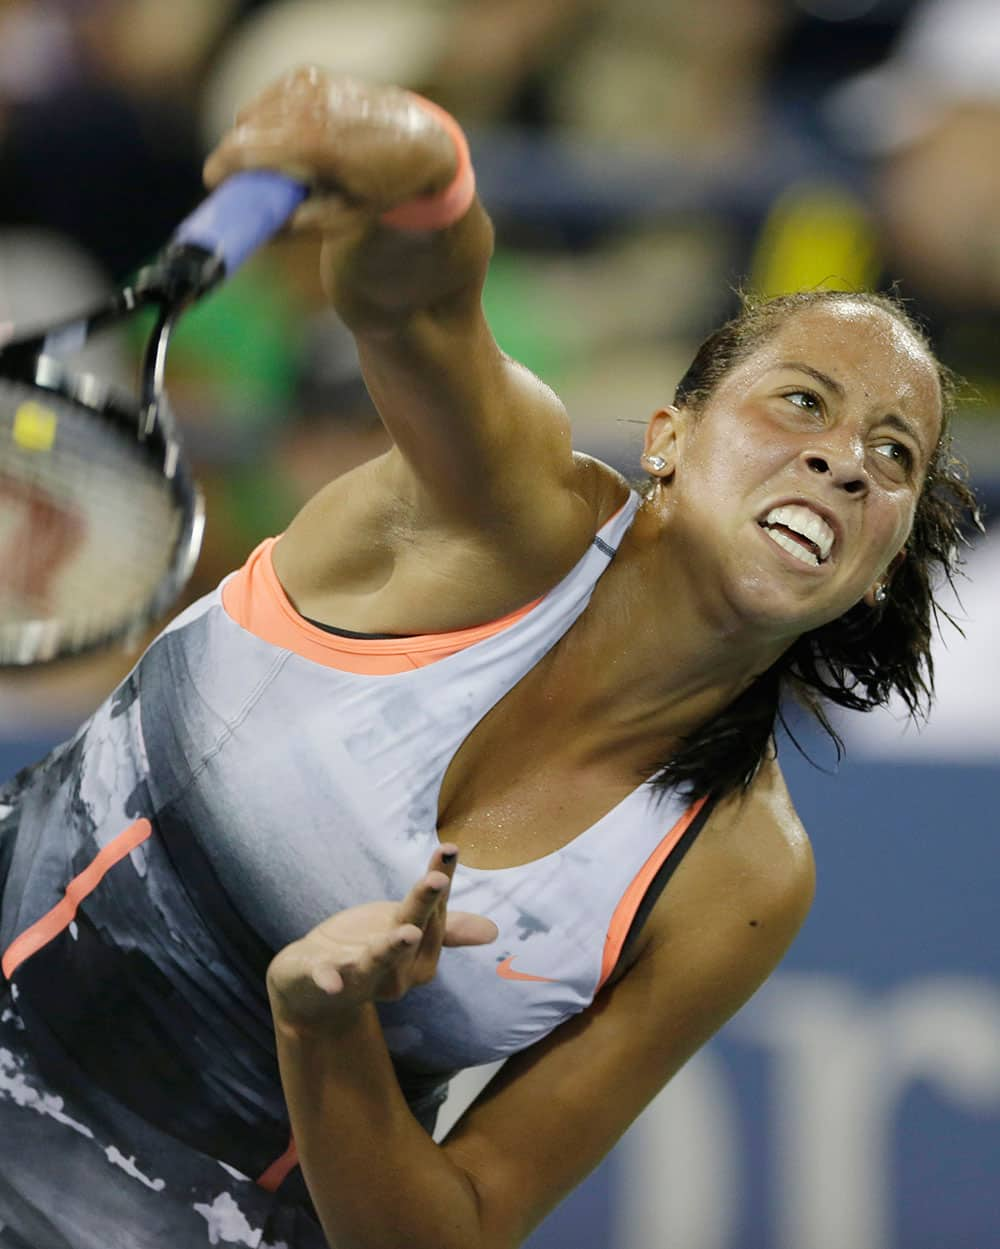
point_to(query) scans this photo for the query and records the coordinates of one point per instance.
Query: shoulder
(758, 834)
(742, 892)
(367, 554)
(603, 489)
(548, 528)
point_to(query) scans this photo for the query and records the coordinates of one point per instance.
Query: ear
(661, 441)
(883, 582)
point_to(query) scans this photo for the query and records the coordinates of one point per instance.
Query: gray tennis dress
(253, 775)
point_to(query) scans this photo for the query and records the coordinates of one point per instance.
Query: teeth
(805, 521)
(792, 547)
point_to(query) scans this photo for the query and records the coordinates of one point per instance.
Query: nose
(844, 466)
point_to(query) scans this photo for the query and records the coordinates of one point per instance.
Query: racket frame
(148, 423)
(210, 244)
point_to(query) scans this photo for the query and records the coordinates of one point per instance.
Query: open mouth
(801, 532)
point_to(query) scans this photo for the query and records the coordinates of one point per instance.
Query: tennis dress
(253, 775)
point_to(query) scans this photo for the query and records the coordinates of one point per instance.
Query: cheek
(890, 531)
(727, 439)
(727, 450)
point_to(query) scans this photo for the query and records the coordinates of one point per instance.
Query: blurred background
(642, 160)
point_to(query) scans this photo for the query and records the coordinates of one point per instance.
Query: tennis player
(475, 761)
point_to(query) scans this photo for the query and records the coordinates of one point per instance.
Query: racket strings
(88, 523)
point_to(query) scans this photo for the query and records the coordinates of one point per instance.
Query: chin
(782, 613)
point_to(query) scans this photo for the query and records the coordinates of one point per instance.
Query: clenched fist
(361, 148)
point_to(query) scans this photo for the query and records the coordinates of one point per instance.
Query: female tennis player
(405, 793)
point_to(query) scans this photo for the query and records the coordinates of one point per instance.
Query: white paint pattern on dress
(115, 1156)
(227, 1224)
(14, 1084)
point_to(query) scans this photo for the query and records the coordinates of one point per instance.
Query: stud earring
(656, 462)
(881, 594)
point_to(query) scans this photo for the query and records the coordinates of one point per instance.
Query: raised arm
(480, 441)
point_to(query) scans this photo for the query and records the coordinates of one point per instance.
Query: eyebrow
(892, 419)
(822, 378)
(904, 426)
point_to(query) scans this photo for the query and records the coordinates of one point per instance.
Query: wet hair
(864, 656)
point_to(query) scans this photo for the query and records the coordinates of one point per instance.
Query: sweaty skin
(480, 507)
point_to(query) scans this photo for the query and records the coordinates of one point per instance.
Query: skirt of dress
(140, 1101)
(85, 1173)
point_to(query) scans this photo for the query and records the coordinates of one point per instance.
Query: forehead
(866, 350)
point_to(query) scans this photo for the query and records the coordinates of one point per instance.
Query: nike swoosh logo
(506, 972)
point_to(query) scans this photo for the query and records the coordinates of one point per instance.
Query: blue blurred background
(642, 159)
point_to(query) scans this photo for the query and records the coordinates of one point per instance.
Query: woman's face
(797, 481)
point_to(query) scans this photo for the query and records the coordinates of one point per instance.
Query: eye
(805, 399)
(897, 452)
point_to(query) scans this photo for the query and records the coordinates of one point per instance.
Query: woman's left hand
(375, 952)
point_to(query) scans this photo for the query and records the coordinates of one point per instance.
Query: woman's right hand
(375, 952)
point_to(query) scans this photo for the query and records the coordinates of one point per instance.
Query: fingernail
(449, 856)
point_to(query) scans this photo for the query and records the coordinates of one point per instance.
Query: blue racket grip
(241, 215)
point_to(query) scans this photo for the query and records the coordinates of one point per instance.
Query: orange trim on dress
(276, 1174)
(256, 600)
(62, 914)
(626, 909)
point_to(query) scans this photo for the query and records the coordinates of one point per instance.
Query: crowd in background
(642, 159)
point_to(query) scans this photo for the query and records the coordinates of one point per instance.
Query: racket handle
(241, 215)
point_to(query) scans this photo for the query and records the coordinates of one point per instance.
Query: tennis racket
(100, 518)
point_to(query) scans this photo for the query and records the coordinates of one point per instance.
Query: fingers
(325, 211)
(405, 938)
(426, 905)
(464, 928)
(327, 978)
(377, 951)
(252, 148)
(377, 968)
(364, 147)
(328, 211)
(295, 125)
(429, 895)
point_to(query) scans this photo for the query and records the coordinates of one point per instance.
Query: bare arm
(555, 1110)
(479, 440)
